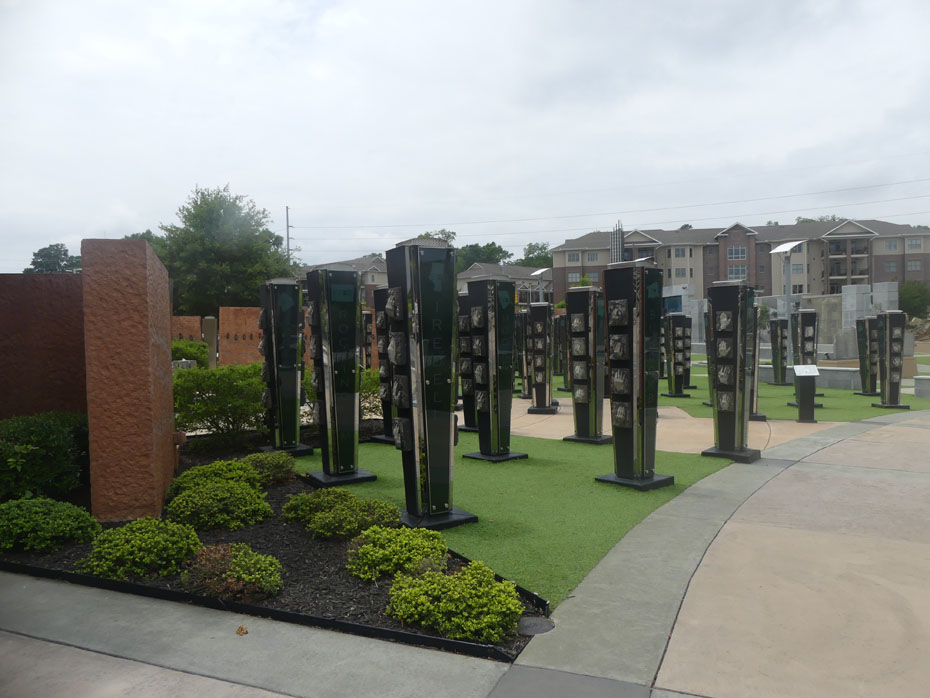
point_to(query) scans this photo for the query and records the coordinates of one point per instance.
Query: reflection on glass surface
(725, 401)
(621, 415)
(578, 323)
(618, 312)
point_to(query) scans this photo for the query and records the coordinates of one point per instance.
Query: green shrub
(216, 503)
(44, 525)
(369, 401)
(187, 349)
(381, 552)
(469, 605)
(226, 470)
(42, 454)
(335, 513)
(274, 466)
(302, 507)
(227, 400)
(234, 571)
(142, 548)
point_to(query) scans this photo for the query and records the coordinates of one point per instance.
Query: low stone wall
(830, 377)
(186, 327)
(922, 386)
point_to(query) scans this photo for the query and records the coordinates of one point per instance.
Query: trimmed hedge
(337, 513)
(216, 503)
(274, 466)
(234, 571)
(187, 349)
(381, 552)
(145, 547)
(227, 400)
(225, 470)
(469, 605)
(44, 525)
(42, 454)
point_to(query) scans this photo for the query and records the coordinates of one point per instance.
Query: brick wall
(186, 327)
(42, 345)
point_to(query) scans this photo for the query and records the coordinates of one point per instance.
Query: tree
(492, 253)
(221, 252)
(819, 219)
(536, 254)
(442, 234)
(158, 243)
(53, 259)
(914, 298)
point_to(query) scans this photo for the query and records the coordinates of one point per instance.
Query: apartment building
(829, 255)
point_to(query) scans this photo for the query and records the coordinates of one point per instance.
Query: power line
(613, 213)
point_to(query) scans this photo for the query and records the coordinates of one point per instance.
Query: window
(668, 253)
(681, 251)
(837, 247)
(836, 288)
(592, 256)
(798, 248)
(691, 272)
(680, 272)
(668, 273)
(913, 243)
(859, 246)
(891, 245)
(913, 265)
(735, 272)
(371, 278)
(574, 277)
(593, 276)
(797, 268)
(891, 266)
(710, 251)
(573, 256)
(690, 251)
(761, 268)
(797, 288)
(736, 252)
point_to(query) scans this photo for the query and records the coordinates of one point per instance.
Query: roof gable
(849, 228)
(638, 236)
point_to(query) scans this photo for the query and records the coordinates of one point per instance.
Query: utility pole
(287, 228)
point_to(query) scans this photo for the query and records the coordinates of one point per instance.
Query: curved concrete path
(804, 574)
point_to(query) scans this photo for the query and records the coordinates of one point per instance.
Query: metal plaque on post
(466, 364)
(492, 340)
(686, 349)
(281, 322)
(557, 348)
(868, 355)
(730, 304)
(891, 358)
(421, 308)
(334, 314)
(586, 347)
(778, 335)
(633, 293)
(383, 336)
(663, 349)
(540, 365)
(675, 359)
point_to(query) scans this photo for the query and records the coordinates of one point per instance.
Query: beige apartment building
(829, 255)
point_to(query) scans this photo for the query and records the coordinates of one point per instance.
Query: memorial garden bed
(543, 523)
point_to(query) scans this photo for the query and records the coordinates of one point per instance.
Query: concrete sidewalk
(804, 574)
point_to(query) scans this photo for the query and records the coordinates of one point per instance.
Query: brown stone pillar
(130, 403)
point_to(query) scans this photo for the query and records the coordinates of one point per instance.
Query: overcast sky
(505, 121)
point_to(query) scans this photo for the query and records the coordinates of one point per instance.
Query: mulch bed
(315, 580)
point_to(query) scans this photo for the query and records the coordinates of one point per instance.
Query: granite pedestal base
(438, 522)
(320, 479)
(643, 485)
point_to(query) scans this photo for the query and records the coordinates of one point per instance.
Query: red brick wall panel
(42, 345)
(186, 327)
(127, 326)
(239, 335)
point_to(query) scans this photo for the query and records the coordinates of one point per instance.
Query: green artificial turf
(838, 405)
(543, 522)
(923, 359)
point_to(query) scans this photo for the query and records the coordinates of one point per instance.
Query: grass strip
(543, 522)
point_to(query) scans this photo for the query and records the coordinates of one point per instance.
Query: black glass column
(733, 325)
(281, 322)
(334, 313)
(675, 360)
(421, 307)
(633, 293)
(538, 345)
(754, 414)
(466, 371)
(778, 334)
(804, 338)
(868, 355)
(384, 367)
(492, 347)
(586, 346)
(891, 358)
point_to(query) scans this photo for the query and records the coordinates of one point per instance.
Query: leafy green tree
(536, 254)
(442, 234)
(819, 219)
(914, 298)
(53, 259)
(491, 253)
(220, 252)
(158, 243)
